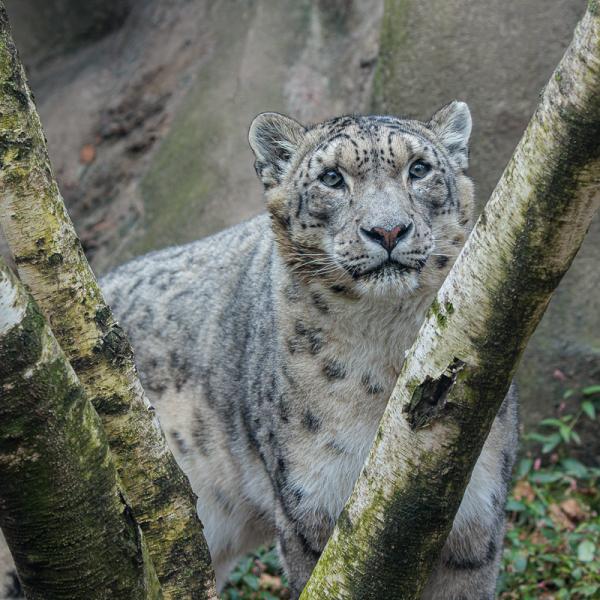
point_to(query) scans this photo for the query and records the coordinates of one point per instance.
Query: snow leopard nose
(388, 238)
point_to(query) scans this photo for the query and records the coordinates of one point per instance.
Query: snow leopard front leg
(300, 544)
(468, 566)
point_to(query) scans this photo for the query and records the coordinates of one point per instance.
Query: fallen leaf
(538, 538)
(524, 491)
(87, 154)
(270, 582)
(559, 518)
(574, 509)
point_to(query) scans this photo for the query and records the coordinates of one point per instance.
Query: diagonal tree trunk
(459, 369)
(51, 262)
(66, 519)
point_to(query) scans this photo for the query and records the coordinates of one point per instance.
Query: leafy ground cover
(552, 548)
(257, 577)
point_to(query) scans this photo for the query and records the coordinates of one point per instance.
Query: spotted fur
(270, 349)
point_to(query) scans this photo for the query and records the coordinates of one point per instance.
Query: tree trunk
(51, 262)
(459, 369)
(63, 512)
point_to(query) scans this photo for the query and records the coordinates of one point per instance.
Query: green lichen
(51, 261)
(441, 312)
(23, 344)
(56, 469)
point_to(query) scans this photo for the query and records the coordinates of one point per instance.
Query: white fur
(11, 310)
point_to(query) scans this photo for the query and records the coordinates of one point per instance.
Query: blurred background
(146, 106)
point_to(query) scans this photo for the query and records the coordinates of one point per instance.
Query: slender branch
(403, 505)
(62, 510)
(51, 262)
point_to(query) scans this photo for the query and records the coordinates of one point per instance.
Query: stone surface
(167, 100)
(47, 28)
(497, 56)
(289, 56)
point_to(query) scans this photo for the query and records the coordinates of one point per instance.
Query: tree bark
(455, 376)
(51, 262)
(62, 509)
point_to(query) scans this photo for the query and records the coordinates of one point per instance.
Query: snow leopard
(270, 349)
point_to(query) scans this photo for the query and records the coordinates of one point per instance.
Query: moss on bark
(51, 262)
(403, 505)
(67, 522)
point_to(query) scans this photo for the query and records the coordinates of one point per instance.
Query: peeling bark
(403, 505)
(65, 516)
(429, 399)
(51, 262)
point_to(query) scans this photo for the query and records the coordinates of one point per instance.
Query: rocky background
(146, 106)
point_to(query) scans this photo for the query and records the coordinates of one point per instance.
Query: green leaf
(550, 558)
(565, 432)
(271, 559)
(576, 437)
(524, 467)
(589, 590)
(246, 564)
(545, 476)
(235, 577)
(551, 422)
(514, 505)
(539, 437)
(548, 447)
(591, 390)
(520, 563)
(589, 409)
(575, 468)
(252, 581)
(585, 551)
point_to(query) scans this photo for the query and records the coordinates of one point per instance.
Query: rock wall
(164, 103)
(48, 28)
(147, 126)
(299, 57)
(497, 56)
(146, 117)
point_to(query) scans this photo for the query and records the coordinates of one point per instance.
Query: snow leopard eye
(419, 169)
(332, 178)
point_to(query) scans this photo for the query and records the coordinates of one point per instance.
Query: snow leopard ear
(452, 124)
(274, 139)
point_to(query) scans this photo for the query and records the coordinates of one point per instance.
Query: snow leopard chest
(340, 370)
